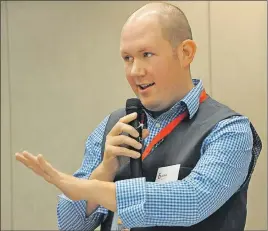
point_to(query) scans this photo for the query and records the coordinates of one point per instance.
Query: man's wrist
(102, 193)
(107, 171)
(103, 174)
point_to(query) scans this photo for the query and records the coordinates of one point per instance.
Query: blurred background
(61, 74)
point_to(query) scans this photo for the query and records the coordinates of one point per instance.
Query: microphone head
(133, 105)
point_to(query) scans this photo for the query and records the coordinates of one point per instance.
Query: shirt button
(158, 125)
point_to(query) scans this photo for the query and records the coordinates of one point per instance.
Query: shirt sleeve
(222, 168)
(72, 214)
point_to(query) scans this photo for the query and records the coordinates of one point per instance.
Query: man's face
(151, 65)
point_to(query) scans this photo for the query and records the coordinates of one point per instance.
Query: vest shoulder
(118, 113)
(211, 111)
(114, 117)
(213, 105)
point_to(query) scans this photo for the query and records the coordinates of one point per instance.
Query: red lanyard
(169, 128)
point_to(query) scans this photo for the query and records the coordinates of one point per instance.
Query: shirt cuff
(130, 200)
(80, 208)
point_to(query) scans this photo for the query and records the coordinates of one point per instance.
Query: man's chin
(152, 106)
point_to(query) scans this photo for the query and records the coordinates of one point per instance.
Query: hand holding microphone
(134, 105)
(118, 144)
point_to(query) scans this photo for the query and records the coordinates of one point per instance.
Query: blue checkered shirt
(221, 170)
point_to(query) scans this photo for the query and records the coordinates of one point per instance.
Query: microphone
(134, 105)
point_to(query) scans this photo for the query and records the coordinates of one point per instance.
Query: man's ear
(186, 52)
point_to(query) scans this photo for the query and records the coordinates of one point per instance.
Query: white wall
(61, 74)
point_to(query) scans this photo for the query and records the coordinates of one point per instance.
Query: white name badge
(168, 173)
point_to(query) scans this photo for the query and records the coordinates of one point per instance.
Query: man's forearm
(102, 175)
(102, 193)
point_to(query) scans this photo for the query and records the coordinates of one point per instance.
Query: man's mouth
(144, 86)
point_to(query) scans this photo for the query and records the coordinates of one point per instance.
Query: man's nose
(137, 69)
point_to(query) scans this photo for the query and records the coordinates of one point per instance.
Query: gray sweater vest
(182, 146)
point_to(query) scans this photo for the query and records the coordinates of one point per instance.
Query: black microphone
(134, 105)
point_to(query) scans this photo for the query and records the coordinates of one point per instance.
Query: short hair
(174, 24)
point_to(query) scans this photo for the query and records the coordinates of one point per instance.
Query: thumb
(50, 173)
(145, 133)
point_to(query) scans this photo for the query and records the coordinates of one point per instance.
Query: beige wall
(61, 75)
(239, 79)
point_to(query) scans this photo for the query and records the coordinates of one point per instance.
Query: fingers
(30, 163)
(124, 140)
(121, 151)
(31, 159)
(22, 159)
(115, 142)
(123, 126)
(128, 118)
(51, 173)
(120, 127)
(27, 159)
(115, 137)
(39, 165)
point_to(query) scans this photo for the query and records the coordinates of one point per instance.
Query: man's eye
(147, 54)
(128, 58)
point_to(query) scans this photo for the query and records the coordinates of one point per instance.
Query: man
(195, 176)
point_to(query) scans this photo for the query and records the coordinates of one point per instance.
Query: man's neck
(156, 114)
(186, 90)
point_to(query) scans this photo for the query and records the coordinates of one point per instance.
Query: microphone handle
(136, 164)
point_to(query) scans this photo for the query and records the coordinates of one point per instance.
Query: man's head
(157, 48)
